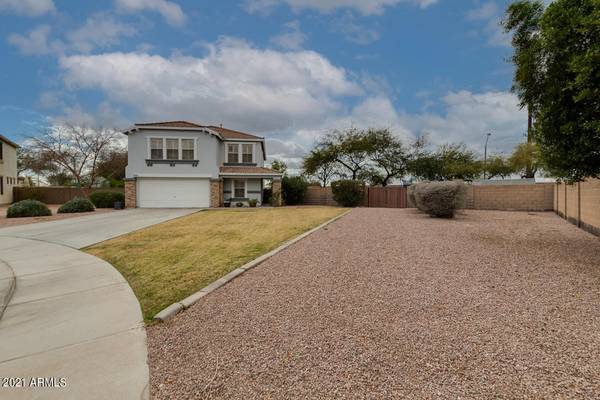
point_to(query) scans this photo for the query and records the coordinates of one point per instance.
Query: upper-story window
(238, 153)
(187, 149)
(156, 149)
(172, 149)
(247, 156)
(233, 153)
(1, 151)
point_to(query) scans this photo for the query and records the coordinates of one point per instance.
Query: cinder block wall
(535, 197)
(579, 203)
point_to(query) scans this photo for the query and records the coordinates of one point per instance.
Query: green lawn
(168, 262)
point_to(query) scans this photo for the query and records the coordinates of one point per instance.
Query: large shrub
(439, 199)
(348, 193)
(28, 208)
(106, 198)
(76, 205)
(293, 189)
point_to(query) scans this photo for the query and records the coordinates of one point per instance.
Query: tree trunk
(529, 172)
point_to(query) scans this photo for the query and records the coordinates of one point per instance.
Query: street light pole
(487, 137)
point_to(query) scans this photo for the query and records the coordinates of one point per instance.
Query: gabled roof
(231, 134)
(226, 134)
(9, 142)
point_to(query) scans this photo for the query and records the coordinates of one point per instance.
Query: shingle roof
(231, 134)
(224, 132)
(248, 170)
(172, 124)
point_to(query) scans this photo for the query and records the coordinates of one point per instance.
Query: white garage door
(173, 193)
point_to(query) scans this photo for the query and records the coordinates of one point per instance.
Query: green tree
(523, 21)
(498, 167)
(279, 166)
(388, 155)
(564, 91)
(448, 162)
(318, 164)
(350, 149)
(525, 160)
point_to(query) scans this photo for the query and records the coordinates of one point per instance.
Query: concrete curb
(12, 284)
(175, 308)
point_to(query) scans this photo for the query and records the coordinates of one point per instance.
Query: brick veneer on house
(216, 188)
(276, 192)
(130, 193)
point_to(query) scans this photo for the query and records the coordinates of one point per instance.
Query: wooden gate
(387, 197)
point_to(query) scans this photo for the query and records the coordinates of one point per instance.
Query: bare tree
(74, 149)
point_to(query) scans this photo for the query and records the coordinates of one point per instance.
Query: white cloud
(488, 16)
(469, 116)
(483, 12)
(353, 31)
(234, 84)
(100, 30)
(292, 39)
(292, 97)
(171, 11)
(36, 42)
(30, 8)
(365, 7)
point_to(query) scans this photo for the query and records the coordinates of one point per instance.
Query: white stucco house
(180, 164)
(8, 169)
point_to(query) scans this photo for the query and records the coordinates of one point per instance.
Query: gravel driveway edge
(179, 306)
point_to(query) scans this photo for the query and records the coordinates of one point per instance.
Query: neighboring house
(182, 164)
(8, 169)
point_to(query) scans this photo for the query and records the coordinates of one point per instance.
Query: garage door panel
(173, 193)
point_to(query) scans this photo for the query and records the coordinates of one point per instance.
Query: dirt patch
(394, 304)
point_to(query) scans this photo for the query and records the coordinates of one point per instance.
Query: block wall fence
(579, 203)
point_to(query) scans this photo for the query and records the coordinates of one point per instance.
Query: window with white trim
(239, 188)
(232, 153)
(187, 149)
(247, 153)
(156, 148)
(172, 149)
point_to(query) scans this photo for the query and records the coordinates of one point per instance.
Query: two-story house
(8, 169)
(180, 164)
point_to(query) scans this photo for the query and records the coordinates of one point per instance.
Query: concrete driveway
(70, 317)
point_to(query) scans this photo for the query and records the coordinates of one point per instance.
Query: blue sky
(290, 70)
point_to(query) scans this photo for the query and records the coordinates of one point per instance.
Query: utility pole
(487, 137)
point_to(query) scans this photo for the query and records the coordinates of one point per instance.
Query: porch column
(130, 193)
(216, 193)
(276, 192)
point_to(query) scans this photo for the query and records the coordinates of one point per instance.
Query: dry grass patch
(168, 262)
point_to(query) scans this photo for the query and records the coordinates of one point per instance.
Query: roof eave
(9, 142)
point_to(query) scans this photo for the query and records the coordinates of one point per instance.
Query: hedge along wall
(579, 204)
(55, 194)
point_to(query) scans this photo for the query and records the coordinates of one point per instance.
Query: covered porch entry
(242, 186)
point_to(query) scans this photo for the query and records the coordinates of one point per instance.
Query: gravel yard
(389, 303)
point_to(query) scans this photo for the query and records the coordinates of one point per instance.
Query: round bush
(76, 205)
(28, 208)
(106, 199)
(293, 190)
(348, 193)
(439, 199)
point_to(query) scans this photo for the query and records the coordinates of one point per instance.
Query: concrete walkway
(71, 315)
